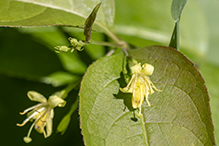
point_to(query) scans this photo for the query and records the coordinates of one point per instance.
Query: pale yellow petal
(35, 96)
(138, 93)
(54, 101)
(136, 68)
(147, 69)
(49, 123)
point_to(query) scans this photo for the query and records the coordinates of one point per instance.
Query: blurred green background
(28, 60)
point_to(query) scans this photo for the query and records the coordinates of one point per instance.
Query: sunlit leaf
(180, 115)
(98, 87)
(17, 13)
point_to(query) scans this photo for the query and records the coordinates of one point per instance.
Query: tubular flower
(140, 84)
(42, 113)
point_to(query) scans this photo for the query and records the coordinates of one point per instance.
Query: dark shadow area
(16, 48)
(127, 98)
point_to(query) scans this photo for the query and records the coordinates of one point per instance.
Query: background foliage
(26, 53)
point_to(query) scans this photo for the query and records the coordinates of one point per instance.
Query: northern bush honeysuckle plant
(176, 115)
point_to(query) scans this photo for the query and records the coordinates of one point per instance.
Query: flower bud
(63, 125)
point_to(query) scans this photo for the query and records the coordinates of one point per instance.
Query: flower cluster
(140, 84)
(42, 113)
(74, 45)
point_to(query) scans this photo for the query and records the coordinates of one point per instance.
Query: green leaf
(98, 86)
(55, 12)
(178, 115)
(176, 8)
(89, 22)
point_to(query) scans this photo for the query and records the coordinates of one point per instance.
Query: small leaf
(180, 115)
(176, 8)
(89, 22)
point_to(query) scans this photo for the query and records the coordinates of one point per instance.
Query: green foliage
(180, 115)
(182, 86)
(70, 13)
(176, 114)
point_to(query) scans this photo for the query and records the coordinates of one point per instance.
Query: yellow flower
(140, 84)
(42, 113)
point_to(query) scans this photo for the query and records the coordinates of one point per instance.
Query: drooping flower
(42, 113)
(140, 84)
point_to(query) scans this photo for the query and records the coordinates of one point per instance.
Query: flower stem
(104, 43)
(119, 42)
(74, 106)
(64, 93)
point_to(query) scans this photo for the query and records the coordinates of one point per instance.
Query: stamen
(29, 132)
(24, 122)
(147, 98)
(142, 98)
(44, 133)
(30, 108)
(155, 87)
(130, 82)
(32, 115)
(139, 110)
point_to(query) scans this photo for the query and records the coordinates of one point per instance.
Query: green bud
(63, 125)
(59, 49)
(73, 41)
(72, 50)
